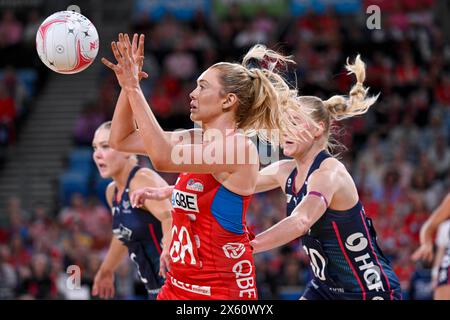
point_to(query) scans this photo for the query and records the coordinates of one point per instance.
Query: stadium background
(52, 207)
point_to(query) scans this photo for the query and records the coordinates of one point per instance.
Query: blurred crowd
(398, 153)
(21, 75)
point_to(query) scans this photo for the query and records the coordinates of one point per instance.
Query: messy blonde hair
(340, 107)
(263, 95)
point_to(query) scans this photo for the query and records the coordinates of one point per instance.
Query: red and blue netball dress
(211, 257)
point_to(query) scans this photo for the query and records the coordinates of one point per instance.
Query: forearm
(117, 251)
(156, 141)
(122, 125)
(283, 232)
(166, 226)
(426, 233)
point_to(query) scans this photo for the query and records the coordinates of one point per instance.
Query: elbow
(160, 162)
(114, 143)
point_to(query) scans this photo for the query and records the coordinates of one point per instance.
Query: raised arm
(165, 154)
(125, 135)
(322, 186)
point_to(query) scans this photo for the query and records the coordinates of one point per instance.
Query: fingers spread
(116, 52)
(127, 45)
(109, 64)
(141, 45)
(122, 50)
(134, 45)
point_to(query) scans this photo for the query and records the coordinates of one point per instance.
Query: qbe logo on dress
(184, 200)
(233, 250)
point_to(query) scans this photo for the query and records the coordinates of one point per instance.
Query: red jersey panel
(210, 249)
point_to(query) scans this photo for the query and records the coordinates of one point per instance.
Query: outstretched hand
(130, 59)
(164, 262)
(103, 285)
(424, 252)
(139, 196)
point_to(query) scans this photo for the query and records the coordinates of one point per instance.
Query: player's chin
(193, 117)
(196, 117)
(288, 151)
(104, 173)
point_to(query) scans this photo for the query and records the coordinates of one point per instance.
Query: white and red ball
(67, 42)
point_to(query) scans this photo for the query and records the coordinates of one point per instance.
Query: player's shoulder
(143, 175)
(110, 188)
(110, 192)
(241, 140)
(328, 170)
(331, 164)
(146, 177)
(282, 170)
(286, 164)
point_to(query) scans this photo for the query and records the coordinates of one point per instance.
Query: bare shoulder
(281, 170)
(110, 192)
(243, 148)
(241, 140)
(332, 163)
(146, 177)
(110, 187)
(286, 165)
(330, 170)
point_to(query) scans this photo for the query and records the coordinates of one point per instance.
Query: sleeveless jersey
(342, 247)
(141, 233)
(444, 266)
(211, 257)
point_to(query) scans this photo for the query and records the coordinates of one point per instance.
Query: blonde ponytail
(265, 58)
(264, 96)
(341, 107)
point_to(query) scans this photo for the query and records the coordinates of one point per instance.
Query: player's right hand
(103, 284)
(164, 262)
(424, 252)
(139, 196)
(137, 51)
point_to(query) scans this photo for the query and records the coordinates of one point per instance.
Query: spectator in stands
(11, 29)
(8, 277)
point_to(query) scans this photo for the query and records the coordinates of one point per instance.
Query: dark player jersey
(141, 232)
(342, 247)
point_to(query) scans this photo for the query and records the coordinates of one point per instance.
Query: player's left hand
(129, 62)
(424, 252)
(164, 262)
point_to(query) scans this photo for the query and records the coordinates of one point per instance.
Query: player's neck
(122, 176)
(304, 161)
(220, 124)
